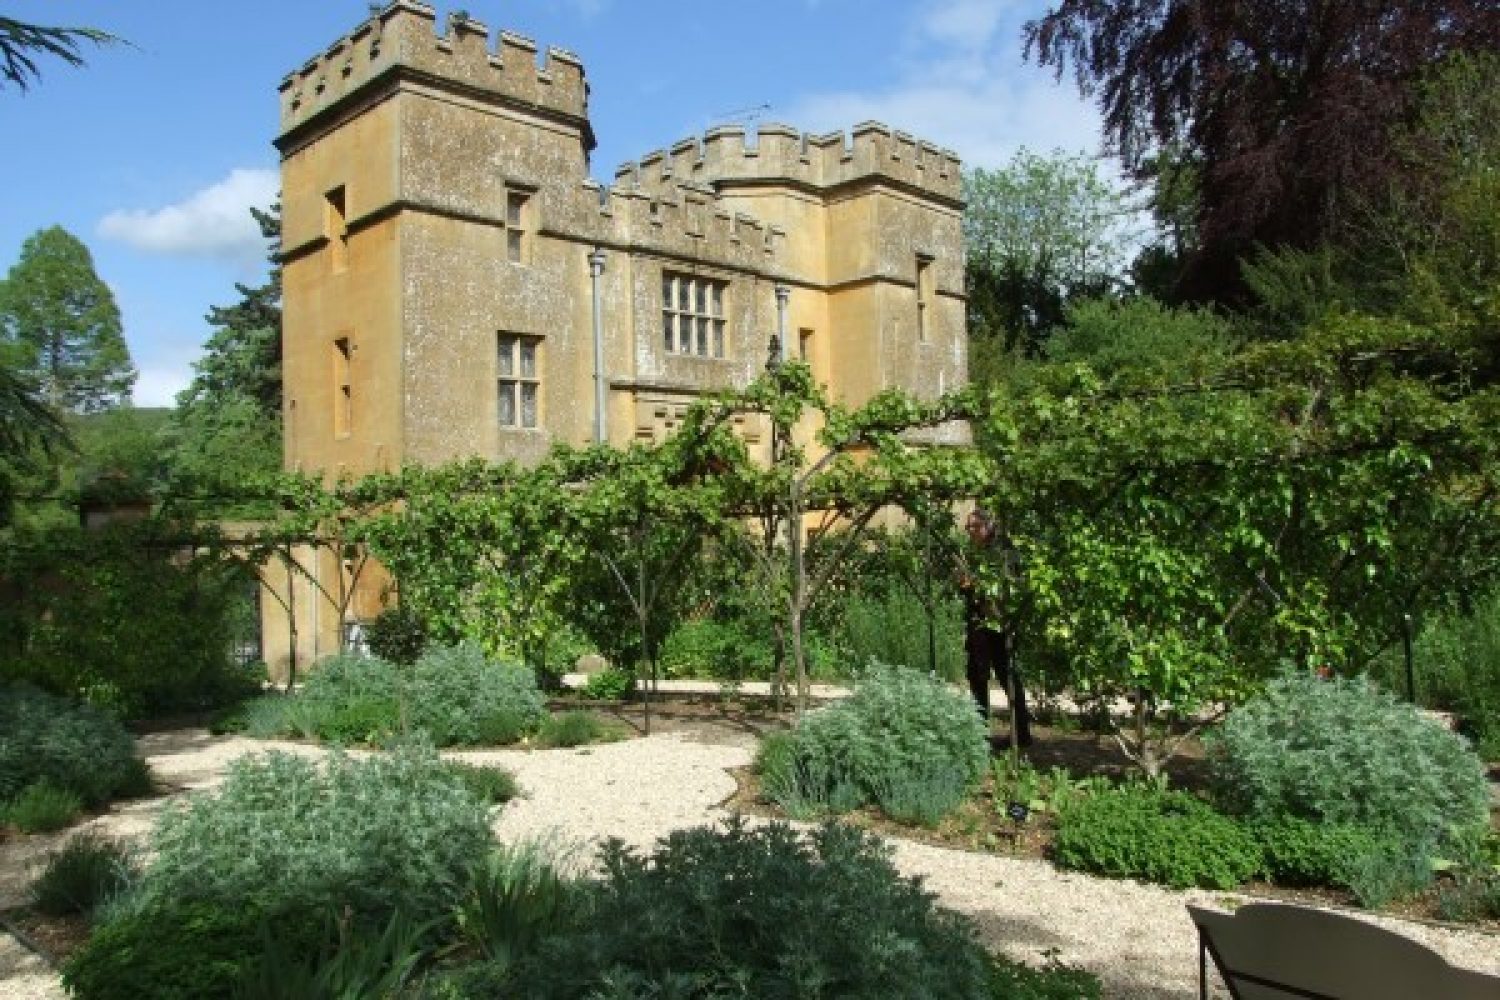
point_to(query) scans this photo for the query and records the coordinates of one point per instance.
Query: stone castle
(456, 284)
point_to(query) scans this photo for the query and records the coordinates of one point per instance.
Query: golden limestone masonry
(452, 271)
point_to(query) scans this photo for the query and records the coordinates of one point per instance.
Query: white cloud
(158, 385)
(967, 24)
(214, 222)
(965, 86)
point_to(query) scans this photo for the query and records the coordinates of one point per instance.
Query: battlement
(679, 221)
(781, 153)
(404, 34)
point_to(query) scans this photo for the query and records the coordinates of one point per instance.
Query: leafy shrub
(1343, 751)
(394, 831)
(1166, 837)
(891, 627)
(458, 696)
(1299, 852)
(397, 635)
(190, 950)
(284, 842)
(454, 695)
(1457, 666)
(899, 729)
(124, 628)
(89, 869)
(715, 649)
(68, 745)
(492, 785)
(41, 808)
(348, 699)
(609, 684)
(575, 729)
(763, 912)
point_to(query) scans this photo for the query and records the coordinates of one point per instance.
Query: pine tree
(60, 327)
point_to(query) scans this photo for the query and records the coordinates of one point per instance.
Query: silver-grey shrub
(460, 697)
(1346, 751)
(899, 727)
(393, 832)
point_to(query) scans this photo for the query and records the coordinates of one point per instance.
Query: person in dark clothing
(988, 651)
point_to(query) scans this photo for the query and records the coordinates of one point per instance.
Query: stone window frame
(518, 381)
(343, 386)
(520, 228)
(336, 227)
(694, 315)
(925, 291)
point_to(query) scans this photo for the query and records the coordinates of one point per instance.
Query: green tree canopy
(59, 325)
(1039, 233)
(227, 427)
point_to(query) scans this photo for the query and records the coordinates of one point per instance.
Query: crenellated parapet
(686, 222)
(404, 37)
(723, 157)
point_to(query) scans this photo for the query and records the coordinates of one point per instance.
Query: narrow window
(518, 380)
(336, 228)
(343, 389)
(517, 226)
(804, 345)
(924, 295)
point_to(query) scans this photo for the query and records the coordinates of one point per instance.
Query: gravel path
(1136, 937)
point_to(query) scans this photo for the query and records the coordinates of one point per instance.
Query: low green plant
(262, 718)
(1394, 870)
(898, 729)
(1473, 895)
(41, 808)
(89, 869)
(1344, 751)
(921, 797)
(1017, 780)
(492, 785)
(609, 684)
(66, 744)
(345, 699)
(575, 729)
(761, 912)
(1300, 852)
(353, 961)
(1010, 980)
(1168, 837)
(519, 895)
(397, 635)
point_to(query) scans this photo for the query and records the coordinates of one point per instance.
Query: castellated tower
(438, 229)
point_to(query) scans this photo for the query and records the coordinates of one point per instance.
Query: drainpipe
(596, 268)
(783, 293)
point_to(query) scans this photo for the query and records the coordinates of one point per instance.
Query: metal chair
(1272, 951)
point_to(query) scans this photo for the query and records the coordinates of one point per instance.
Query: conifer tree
(59, 325)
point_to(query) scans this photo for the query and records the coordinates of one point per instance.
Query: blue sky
(152, 153)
